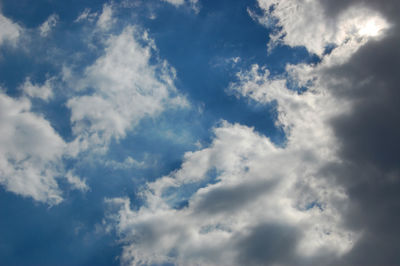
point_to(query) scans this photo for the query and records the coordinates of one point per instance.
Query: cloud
(369, 140)
(126, 88)
(48, 25)
(359, 73)
(86, 15)
(105, 19)
(245, 207)
(76, 182)
(181, 2)
(9, 30)
(44, 92)
(30, 153)
(193, 3)
(305, 24)
(175, 2)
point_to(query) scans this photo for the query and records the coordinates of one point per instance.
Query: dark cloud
(267, 244)
(231, 199)
(369, 140)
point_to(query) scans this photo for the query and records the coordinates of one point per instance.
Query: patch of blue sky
(33, 14)
(33, 234)
(314, 204)
(329, 48)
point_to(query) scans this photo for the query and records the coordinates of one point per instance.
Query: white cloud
(194, 4)
(30, 152)
(127, 88)
(175, 2)
(304, 23)
(106, 19)
(9, 31)
(86, 15)
(48, 25)
(260, 187)
(253, 189)
(44, 91)
(76, 182)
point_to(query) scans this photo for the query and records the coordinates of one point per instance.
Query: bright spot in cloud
(373, 27)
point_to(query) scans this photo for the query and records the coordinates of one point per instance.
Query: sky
(199, 132)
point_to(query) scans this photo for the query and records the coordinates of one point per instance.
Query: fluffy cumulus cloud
(9, 30)
(126, 88)
(30, 153)
(329, 195)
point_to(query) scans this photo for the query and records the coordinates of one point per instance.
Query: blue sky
(195, 132)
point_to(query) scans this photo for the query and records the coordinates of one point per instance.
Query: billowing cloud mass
(329, 195)
(30, 153)
(244, 200)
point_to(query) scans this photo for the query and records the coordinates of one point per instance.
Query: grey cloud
(369, 140)
(230, 199)
(267, 244)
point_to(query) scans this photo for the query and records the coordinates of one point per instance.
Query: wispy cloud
(48, 25)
